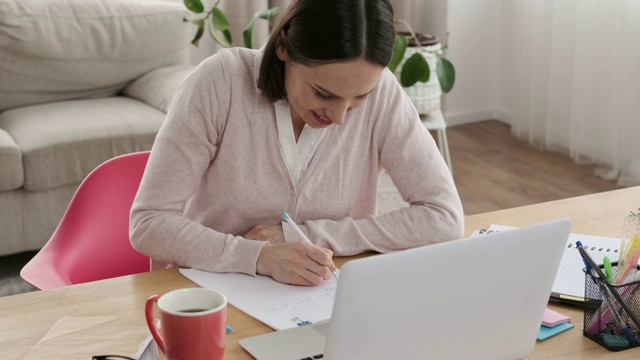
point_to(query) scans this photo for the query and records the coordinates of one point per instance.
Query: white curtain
(570, 75)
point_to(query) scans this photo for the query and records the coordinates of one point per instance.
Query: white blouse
(297, 155)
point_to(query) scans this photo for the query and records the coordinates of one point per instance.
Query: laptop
(478, 298)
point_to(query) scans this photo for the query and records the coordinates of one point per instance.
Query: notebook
(481, 297)
(568, 287)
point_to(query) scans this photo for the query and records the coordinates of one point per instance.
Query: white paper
(148, 350)
(278, 305)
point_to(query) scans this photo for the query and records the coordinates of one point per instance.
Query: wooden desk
(26, 318)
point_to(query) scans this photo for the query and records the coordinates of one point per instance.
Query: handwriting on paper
(271, 302)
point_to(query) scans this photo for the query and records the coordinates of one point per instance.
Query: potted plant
(415, 57)
(217, 24)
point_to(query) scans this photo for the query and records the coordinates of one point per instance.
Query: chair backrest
(91, 241)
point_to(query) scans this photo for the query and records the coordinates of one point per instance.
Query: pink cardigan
(216, 170)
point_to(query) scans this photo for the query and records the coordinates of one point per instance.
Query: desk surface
(26, 318)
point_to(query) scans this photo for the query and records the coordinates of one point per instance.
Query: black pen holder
(613, 325)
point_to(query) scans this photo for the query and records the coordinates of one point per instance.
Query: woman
(305, 125)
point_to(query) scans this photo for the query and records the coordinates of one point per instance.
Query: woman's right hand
(296, 263)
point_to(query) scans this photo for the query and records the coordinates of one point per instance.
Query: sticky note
(547, 332)
(552, 318)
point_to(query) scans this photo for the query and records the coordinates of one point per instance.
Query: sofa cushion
(62, 142)
(157, 87)
(12, 174)
(53, 50)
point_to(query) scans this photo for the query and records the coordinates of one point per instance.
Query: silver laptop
(477, 298)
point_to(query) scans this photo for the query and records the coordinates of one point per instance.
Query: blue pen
(229, 329)
(588, 266)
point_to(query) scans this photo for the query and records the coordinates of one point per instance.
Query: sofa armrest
(11, 169)
(157, 87)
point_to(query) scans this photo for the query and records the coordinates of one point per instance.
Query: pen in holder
(612, 312)
(629, 248)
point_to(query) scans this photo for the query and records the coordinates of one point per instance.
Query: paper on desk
(149, 349)
(278, 305)
(546, 332)
(85, 336)
(553, 318)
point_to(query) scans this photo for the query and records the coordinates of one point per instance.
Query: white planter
(425, 96)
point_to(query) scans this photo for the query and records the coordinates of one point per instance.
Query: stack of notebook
(553, 323)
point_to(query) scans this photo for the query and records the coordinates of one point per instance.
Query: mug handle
(151, 321)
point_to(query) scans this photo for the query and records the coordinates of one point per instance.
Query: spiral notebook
(568, 287)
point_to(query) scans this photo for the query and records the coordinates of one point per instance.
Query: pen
(587, 265)
(295, 227)
(632, 262)
(608, 269)
(628, 249)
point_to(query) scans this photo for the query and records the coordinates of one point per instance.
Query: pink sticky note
(552, 318)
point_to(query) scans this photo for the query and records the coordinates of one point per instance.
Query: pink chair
(92, 239)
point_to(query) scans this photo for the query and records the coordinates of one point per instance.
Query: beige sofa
(81, 81)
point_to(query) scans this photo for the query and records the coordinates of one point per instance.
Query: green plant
(217, 24)
(416, 68)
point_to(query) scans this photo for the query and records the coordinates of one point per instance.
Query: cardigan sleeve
(181, 154)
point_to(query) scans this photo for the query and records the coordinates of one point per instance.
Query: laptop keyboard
(319, 356)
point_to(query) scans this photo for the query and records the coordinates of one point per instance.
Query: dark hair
(325, 31)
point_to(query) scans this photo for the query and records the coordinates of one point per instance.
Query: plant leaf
(399, 47)
(200, 25)
(414, 69)
(219, 37)
(446, 74)
(194, 6)
(249, 34)
(219, 19)
(269, 13)
(227, 35)
(219, 29)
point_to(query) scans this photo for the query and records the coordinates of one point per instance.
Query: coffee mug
(192, 323)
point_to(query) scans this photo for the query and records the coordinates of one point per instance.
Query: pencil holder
(612, 312)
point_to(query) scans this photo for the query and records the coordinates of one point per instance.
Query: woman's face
(322, 95)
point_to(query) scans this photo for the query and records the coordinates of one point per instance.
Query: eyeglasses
(111, 357)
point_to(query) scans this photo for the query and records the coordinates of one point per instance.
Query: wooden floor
(494, 171)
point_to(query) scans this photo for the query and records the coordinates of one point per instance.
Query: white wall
(474, 49)
(425, 16)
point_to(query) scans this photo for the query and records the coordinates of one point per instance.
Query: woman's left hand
(271, 233)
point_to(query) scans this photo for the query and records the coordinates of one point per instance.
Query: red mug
(192, 323)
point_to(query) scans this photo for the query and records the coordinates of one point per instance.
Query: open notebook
(568, 287)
